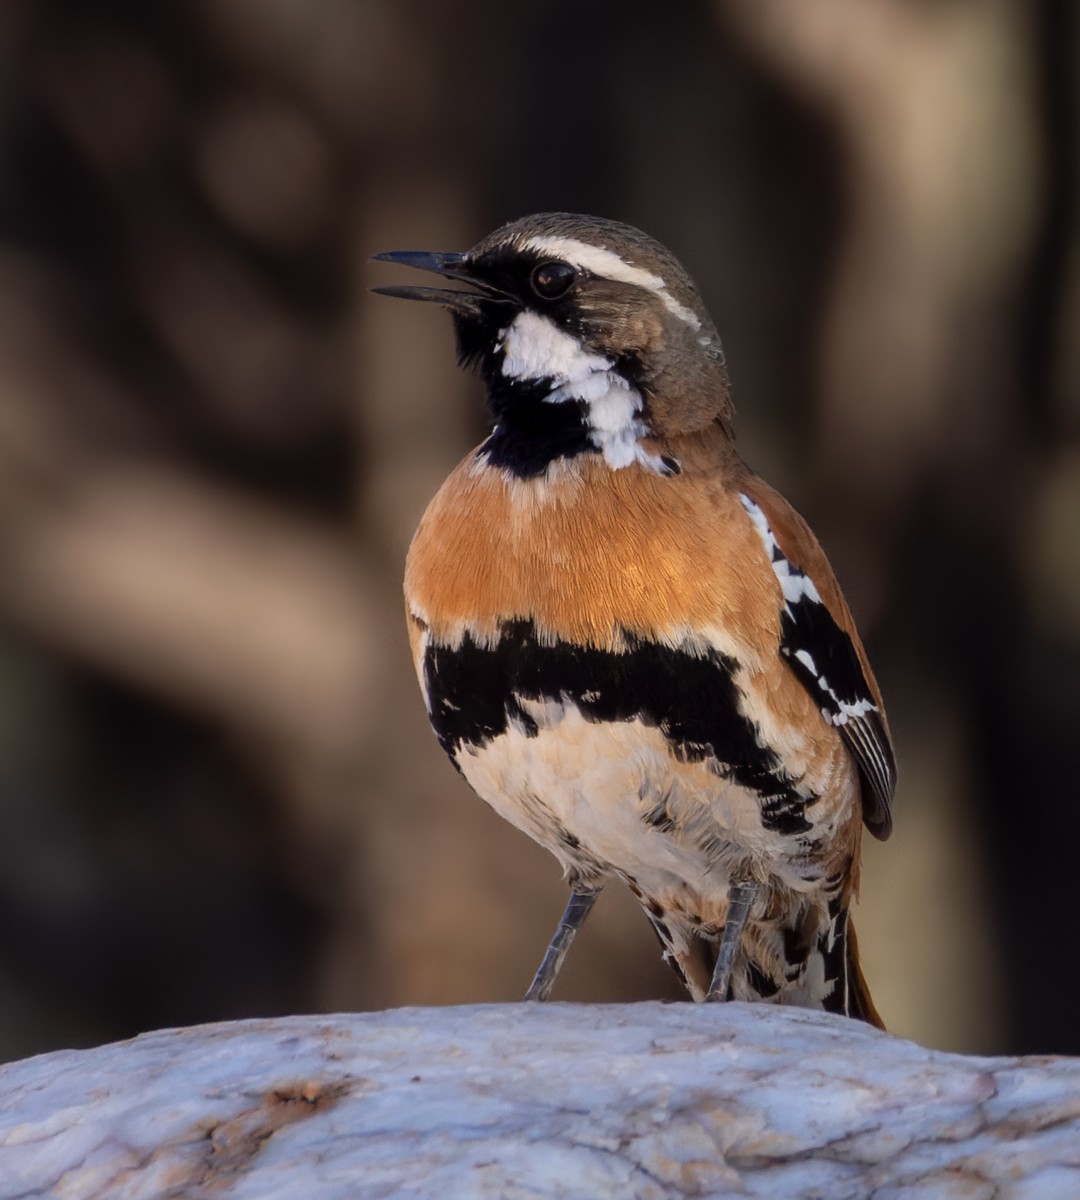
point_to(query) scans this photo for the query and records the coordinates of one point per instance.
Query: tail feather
(794, 963)
(860, 1004)
(839, 950)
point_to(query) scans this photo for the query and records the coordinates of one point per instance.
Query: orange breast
(590, 554)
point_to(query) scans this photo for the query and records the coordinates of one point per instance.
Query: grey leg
(740, 900)
(576, 911)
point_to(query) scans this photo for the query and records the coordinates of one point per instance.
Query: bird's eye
(553, 279)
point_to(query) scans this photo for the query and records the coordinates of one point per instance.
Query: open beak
(450, 266)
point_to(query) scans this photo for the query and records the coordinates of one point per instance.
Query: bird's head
(589, 335)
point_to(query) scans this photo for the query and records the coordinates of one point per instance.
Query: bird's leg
(740, 900)
(577, 909)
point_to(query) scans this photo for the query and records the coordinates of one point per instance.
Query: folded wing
(822, 647)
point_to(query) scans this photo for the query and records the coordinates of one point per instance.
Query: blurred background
(218, 794)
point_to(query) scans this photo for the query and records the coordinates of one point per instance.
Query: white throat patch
(604, 262)
(535, 348)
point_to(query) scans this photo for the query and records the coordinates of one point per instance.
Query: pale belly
(614, 798)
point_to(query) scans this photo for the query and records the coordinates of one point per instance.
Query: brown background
(218, 794)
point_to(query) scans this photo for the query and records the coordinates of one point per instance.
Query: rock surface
(554, 1100)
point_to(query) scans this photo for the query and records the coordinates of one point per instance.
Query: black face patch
(508, 271)
(475, 693)
(530, 431)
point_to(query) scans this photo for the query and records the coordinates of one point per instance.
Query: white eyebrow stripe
(606, 263)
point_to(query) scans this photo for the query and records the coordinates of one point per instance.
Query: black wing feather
(823, 658)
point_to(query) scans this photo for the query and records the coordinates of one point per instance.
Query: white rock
(553, 1100)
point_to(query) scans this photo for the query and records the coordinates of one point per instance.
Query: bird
(632, 647)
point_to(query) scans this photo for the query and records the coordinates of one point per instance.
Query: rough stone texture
(557, 1100)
